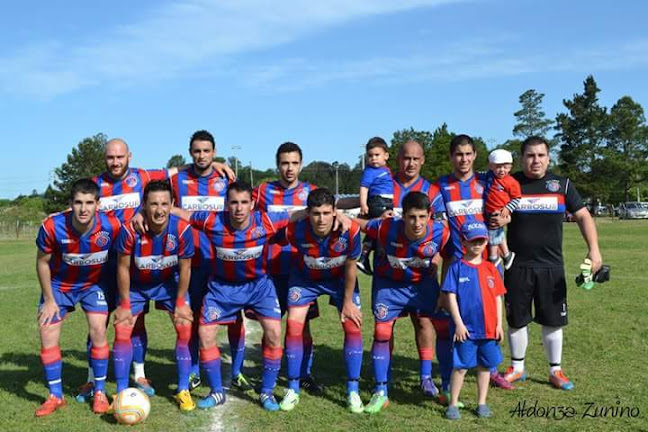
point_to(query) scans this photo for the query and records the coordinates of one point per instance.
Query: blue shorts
(471, 353)
(304, 292)
(164, 294)
(392, 299)
(92, 300)
(496, 236)
(198, 284)
(224, 300)
(281, 286)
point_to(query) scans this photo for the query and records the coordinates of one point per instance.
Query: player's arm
(499, 332)
(123, 312)
(461, 332)
(181, 213)
(349, 310)
(182, 313)
(364, 194)
(49, 309)
(590, 235)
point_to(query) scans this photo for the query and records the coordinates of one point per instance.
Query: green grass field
(606, 346)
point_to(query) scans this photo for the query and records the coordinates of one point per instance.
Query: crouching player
(325, 264)
(155, 266)
(72, 252)
(473, 289)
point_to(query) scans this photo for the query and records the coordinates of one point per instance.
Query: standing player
(239, 281)
(288, 193)
(405, 280)
(202, 188)
(538, 275)
(463, 192)
(72, 252)
(325, 263)
(159, 270)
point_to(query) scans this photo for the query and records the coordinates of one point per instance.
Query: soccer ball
(131, 406)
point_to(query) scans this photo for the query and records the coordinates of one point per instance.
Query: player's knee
(383, 331)
(350, 327)
(184, 332)
(207, 336)
(294, 328)
(123, 333)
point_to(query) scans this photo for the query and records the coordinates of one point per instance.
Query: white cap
(500, 156)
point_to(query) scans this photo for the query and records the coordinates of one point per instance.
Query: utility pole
(362, 157)
(336, 167)
(234, 148)
(251, 178)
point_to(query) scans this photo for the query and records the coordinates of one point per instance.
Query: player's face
(416, 221)
(321, 219)
(202, 154)
(535, 161)
(410, 160)
(84, 206)
(239, 205)
(501, 170)
(462, 159)
(289, 166)
(117, 158)
(157, 208)
(475, 247)
(377, 157)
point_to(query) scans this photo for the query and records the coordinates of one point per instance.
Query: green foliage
(85, 160)
(530, 117)
(176, 161)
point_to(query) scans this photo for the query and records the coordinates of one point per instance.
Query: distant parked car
(599, 210)
(633, 210)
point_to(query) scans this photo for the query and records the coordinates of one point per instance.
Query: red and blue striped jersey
(123, 197)
(273, 197)
(420, 185)
(200, 193)
(154, 257)
(464, 202)
(477, 288)
(405, 260)
(77, 259)
(239, 254)
(323, 258)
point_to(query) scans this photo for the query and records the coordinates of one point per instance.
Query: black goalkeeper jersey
(535, 231)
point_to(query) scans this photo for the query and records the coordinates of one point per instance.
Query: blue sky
(326, 74)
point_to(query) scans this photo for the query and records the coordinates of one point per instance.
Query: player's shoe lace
(185, 402)
(289, 401)
(51, 404)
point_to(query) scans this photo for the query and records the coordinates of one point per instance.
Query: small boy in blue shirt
(473, 289)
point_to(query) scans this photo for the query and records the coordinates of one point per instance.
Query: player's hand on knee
(47, 312)
(183, 315)
(352, 313)
(124, 316)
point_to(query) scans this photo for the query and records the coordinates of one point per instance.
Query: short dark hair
(288, 147)
(86, 186)
(202, 135)
(239, 186)
(416, 200)
(320, 197)
(377, 142)
(531, 141)
(157, 186)
(460, 140)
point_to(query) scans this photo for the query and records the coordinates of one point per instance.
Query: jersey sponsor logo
(405, 263)
(218, 185)
(156, 262)
(294, 294)
(85, 259)
(280, 208)
(478, 188)
(274, 192)
(553, 185)
(131, 180)
(242, 254)
(451, 187)
(67, 241)
(171, 242)
(204, 203)
(340, 245)
(119, 202)
(381, 310)
(324, 263)
(187, 182)
(464, 279)
(213, 313)
(101, 238)
(548, 203)
(464, 207)
(105, 185)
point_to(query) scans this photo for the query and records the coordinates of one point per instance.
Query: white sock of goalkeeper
(518, 341)
(552, 338)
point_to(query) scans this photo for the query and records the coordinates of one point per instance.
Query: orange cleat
(100, 404)
(51, 404)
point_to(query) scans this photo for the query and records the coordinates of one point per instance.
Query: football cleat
(194, 381)
(428, 387)
(364, 265)
(560, 381)
(85, 392)
(508, 260)
(444, 399)
(268, 402)
(51, 404)
(498, 380)
(289, 401)
(311, 385)
(241, 383)
(144, 384)
(100, 404)
(184, 400)
(511, 375)
(212, 400)
(378, 401)
(354, 403)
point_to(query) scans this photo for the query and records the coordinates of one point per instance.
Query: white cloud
(177, 38)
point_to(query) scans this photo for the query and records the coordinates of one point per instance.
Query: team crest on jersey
(479, 188)
(131, 180)
(258, 232)
(218, 185)
(102, 238)
(553, 185)
(429, 250)
(340, 245)
(490, 281)
(381, 311)
(294, 294)
(213, 313)
(303, 194)
(171, 242)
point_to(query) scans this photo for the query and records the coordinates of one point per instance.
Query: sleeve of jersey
(372, 228)
(445, 241)
(500, 289)
(450, 281)
(367, 177)
(355, 243)
(573, 200)
(124, 242)
(158, 174)
(200, 219)
(186, 242)
(45, 240)
(278, 220)
(436, 200)
(256, 193)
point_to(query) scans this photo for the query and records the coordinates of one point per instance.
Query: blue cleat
(212, 400)
(268, 402)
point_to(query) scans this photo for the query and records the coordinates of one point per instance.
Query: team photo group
(455, 255)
